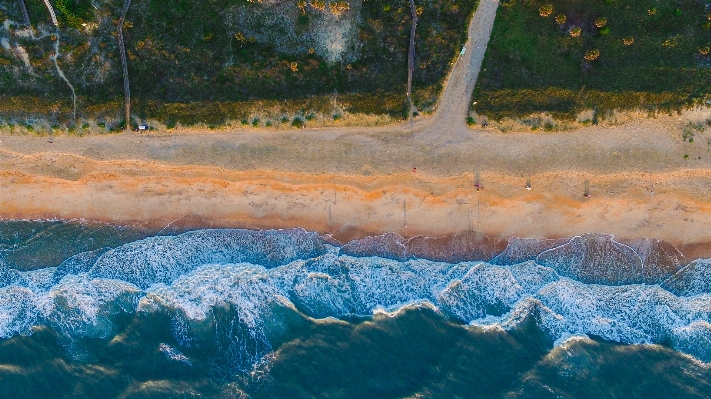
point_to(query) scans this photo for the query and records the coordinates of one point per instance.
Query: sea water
(95, 310)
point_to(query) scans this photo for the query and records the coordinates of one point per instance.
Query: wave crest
(163, 259)
(235, 292)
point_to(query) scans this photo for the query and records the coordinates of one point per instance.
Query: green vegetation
(600, 55)
(73, 12)
(210, 60)
(186, 51)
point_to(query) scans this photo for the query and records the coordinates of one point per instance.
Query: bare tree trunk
(24, 13)
(124, 63)
(411, 57)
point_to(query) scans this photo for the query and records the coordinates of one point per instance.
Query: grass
(342, 109)
(644, 55)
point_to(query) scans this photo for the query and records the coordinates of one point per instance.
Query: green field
(650, 56)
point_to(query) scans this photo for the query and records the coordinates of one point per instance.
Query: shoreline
(356, 206)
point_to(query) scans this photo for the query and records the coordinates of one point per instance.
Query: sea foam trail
(243, 289)
(163, 259)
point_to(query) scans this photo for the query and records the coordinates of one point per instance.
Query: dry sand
(358, 181)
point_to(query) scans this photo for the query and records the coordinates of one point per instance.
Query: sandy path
(454, 104)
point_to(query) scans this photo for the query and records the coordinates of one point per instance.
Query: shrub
(338, 7)
(605, 30)
(705, 50)
(471, 121)
(575, 31)
(560, 19)
(592, 55)
(545, 10)
(628, 40)
(297, 122)
(600, 22)
(672, 41)
(319, 5)
(652, 11)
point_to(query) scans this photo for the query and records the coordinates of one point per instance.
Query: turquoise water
(94, 310)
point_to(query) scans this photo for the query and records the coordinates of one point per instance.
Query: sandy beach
(353, 183)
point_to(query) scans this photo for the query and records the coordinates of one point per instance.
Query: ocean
(103, 311)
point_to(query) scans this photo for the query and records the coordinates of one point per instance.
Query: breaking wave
(241, 290)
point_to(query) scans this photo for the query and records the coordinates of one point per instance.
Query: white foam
(567, 338)
(161, 260)
(261, 301)
(174, 354)
(694, 339)
(82, 306)
(693, 279)
(397, 310)
(18, 313)
(483, 290)
(35, 280)
(197, 293)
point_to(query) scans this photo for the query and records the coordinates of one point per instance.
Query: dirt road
(454, 103)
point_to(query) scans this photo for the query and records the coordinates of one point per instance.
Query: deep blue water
(94, 310)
